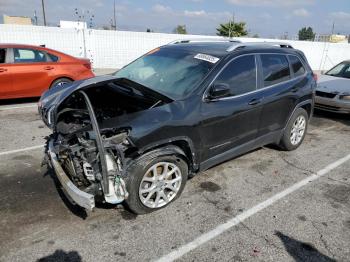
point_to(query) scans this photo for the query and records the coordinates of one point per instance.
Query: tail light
(87, 65)
(315, 76)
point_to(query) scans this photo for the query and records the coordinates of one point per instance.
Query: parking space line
(17, 107)
(202, 239)
(21, 150)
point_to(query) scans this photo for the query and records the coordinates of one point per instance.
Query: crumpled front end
(76, 195)
(89, 165)
(90, 162)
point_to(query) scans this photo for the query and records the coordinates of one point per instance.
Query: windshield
(172, 73)
(341, 70)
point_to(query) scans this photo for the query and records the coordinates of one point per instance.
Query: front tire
(154, 182)
(295, 130)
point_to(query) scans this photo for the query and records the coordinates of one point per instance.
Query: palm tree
(180, 29)
(232, 29)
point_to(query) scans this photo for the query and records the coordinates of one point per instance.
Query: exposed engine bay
(95, 160)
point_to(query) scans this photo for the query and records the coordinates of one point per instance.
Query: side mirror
(219, 90)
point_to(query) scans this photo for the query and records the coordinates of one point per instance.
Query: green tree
(306, 34)
(232, 29)
(180, 29)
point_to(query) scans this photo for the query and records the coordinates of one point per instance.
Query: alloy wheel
(298, 130)
(160, 184)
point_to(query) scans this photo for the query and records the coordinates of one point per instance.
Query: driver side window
(239, 75)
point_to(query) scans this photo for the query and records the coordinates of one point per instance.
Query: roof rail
(199, 40)
(242, 45)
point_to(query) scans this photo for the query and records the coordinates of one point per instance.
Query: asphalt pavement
(310, 223)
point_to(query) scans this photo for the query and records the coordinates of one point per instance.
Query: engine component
(88, 171)
(117, 189)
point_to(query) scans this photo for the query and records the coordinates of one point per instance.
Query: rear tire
(61, 81)
(295, 130)
(148, 185)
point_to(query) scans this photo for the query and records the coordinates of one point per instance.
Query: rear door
(232, 121)
(6, 80)
(33, 72)
(280, 90)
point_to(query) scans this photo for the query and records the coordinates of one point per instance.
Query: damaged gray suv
(137, 135)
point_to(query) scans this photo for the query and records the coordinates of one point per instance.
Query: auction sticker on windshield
(208, 58)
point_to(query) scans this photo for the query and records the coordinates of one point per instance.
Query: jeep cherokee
(137, 135)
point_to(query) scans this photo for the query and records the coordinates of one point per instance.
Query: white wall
(114, 49)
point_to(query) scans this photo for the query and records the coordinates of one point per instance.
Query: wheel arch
(181, 146)
(306, 105)
(60, 77)
(308, 108)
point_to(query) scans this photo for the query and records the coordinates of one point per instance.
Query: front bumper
(332, 105)
(79, 197)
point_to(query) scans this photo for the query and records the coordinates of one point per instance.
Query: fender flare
(166, 150)
(191, 156)
(299, 105)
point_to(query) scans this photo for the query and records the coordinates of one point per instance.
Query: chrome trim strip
(223, 144)
(81, 198)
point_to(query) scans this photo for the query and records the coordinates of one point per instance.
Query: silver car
(333, 89)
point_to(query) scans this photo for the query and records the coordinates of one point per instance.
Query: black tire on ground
(136, 173)
(285, 142)
(62, 80)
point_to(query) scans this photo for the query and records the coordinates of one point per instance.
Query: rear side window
(275, 69)
(2, 55)
(53, 57)
(240, 75)
(28, 56)
(297, 65)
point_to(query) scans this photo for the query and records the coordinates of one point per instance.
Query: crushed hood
(56, 95)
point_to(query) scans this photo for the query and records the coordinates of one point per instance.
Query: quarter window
(297, 65)
(240, 75)
(53, 57)
(275, 69)
(28, 56)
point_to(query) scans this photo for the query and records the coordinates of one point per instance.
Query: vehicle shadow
(19, 101)
(320, 114)
(75, 209)
(61, 255)
(301, 251)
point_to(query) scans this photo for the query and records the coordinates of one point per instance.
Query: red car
(27, 71)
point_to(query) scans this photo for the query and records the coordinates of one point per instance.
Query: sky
(267, 18)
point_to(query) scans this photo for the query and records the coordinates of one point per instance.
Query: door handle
(3, 70)
(48, 67)
(294, 89)
(254, 102)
